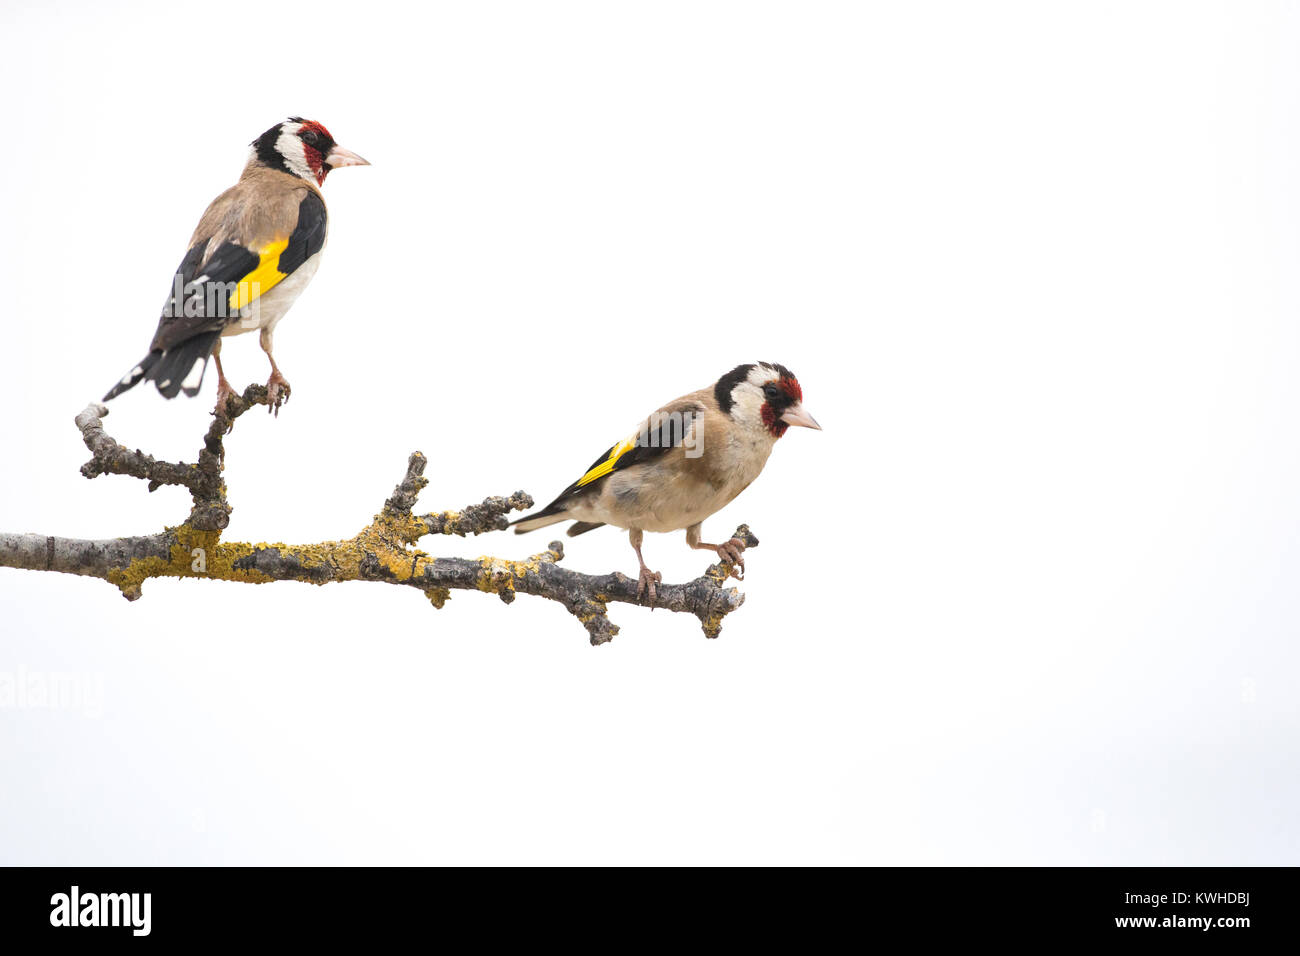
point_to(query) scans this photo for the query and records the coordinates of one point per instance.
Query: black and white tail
(178, 369)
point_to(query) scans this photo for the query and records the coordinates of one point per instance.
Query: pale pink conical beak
(795, 415)
(338, 156)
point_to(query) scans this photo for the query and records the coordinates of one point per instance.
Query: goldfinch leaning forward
(254, 251)
(685, 462)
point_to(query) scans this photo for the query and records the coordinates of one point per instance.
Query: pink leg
(647, 579)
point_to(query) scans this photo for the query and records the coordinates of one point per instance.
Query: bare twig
(384, 550)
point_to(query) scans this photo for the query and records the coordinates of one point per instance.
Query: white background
(1029, 598)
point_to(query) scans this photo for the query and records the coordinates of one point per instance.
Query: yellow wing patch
(264, 275)
(606, 466)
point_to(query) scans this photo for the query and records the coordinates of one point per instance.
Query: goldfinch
(683, 463)
(254, 251)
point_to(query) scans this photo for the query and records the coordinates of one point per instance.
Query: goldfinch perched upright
(253, 253)
(684, 462)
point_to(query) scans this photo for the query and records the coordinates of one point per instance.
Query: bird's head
(304, 148)
(763, 396)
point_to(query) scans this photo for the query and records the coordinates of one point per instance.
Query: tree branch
(383, 550)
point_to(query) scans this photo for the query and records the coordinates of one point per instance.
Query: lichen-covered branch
(383, 550)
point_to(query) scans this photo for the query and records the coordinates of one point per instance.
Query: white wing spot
(164, 383)
(132, 375)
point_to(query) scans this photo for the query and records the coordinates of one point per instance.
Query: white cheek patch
(295, 156)
(747, 404)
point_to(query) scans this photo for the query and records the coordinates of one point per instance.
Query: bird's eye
(769, 391)
(311, 138)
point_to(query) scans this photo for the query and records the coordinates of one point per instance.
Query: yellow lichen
(598, 609)
(450, 521)
(343, 558)
(386, 540)
(130, 578)
(499, 575)
(187, 541)
(399, 528)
